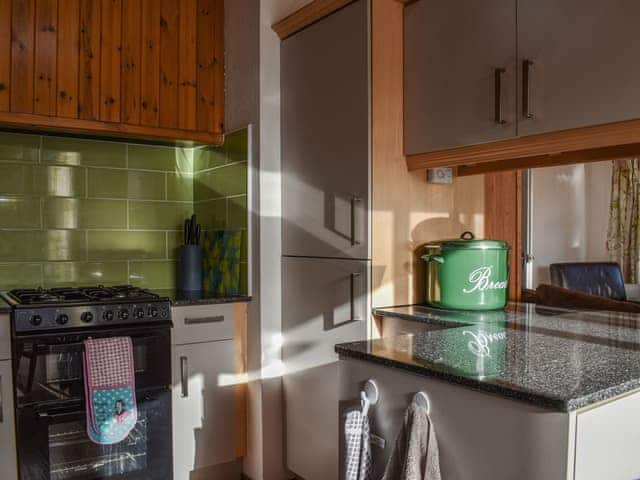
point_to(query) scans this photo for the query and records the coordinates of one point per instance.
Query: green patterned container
(467, 274)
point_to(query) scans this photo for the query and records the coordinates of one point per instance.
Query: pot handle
(467, 235)
(433, 258)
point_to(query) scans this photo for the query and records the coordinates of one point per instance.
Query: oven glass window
(72, 455)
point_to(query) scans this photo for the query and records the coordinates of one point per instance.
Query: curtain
(623, 235)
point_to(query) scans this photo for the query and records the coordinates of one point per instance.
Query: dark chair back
(595, 278)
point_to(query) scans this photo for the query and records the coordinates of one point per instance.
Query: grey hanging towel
(358, 446)
(415, 454)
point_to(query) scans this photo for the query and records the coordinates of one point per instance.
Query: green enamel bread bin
(467, 273)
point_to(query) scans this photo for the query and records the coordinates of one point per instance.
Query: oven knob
(36, 320)
(153, 312)
(139, 313)
(124, 314)
(87, 317)
(62, 319)
(108, 315)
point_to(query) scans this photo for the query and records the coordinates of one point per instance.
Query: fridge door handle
(352, 295)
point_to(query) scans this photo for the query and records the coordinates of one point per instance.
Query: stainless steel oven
(50, 411)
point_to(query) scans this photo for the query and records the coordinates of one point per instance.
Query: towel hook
(371, 392)
(422, 399)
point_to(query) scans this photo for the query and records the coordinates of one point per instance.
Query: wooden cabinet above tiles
(125, 68)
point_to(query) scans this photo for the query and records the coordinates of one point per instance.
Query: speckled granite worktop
(181, 299)
(554, 358)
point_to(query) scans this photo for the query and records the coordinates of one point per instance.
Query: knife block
(190, 268)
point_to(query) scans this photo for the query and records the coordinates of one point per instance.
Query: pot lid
(468, 240)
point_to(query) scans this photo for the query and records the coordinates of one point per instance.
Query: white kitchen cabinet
(585, 69)
(204, 407)
(5, 336)
(204, 323)
(460, 73)
(8, 464)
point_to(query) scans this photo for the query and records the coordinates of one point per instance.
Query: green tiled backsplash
(77, 211)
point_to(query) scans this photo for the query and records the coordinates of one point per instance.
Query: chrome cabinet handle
(354, 200)
(526, 88)
(184, 376)
(498, 72)
(196, 321)
(352, 295)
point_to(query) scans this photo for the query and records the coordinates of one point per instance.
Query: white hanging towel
(415, 454)
(358, 446)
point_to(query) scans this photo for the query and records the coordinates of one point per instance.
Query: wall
(570, 213)
(407, 212)
(78, 211)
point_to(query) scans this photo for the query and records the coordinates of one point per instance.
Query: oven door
(48, 368)
(53, 444)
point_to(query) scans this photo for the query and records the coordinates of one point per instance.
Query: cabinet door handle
(1, 402)
(184, 376)
(196, 321)
(498, 72)
(354, 201)
(352, 295)
(526, 88)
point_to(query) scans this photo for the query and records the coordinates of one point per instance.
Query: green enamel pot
(467, 273)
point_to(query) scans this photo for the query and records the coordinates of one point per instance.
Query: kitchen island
(528, 393)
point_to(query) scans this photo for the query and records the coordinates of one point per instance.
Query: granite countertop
(181, 299)
(555, 358)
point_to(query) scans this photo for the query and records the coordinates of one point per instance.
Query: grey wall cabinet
(567, 64)
(460, 73)
(325, 303)
(325, 136)
(584, 67)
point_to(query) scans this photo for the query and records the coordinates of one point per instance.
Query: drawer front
(607, 439)
(5, 336)
(203, 323)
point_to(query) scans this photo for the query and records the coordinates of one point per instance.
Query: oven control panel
(87, 316)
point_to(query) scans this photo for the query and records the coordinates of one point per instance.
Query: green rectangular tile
(75, 213)
(158, 215)
(244, 279)
(180, 186)
(231, 180)
(80, 151)
(157, 275)
(126, 245)
(175, 239)
(59, 181)
(237, 212)
(107, 183)
(20, 275)
(212, 214)
(19, 147)
(20, 212)
(167, 159)
(48, 245)
(18, 179)
(84, 273)
(208, 157)
(146, 185)
(236, 146)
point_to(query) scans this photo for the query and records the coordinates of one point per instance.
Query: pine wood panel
(150, 70)
(153, 63)
(89, 68)
(46, 34)
(22, 55)
(67, 57)
(503, 217)
(187, 87)
(131, 61)
(307, 15)
(169, 24)
(5, 55)
(111, 21)
(206, 25)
